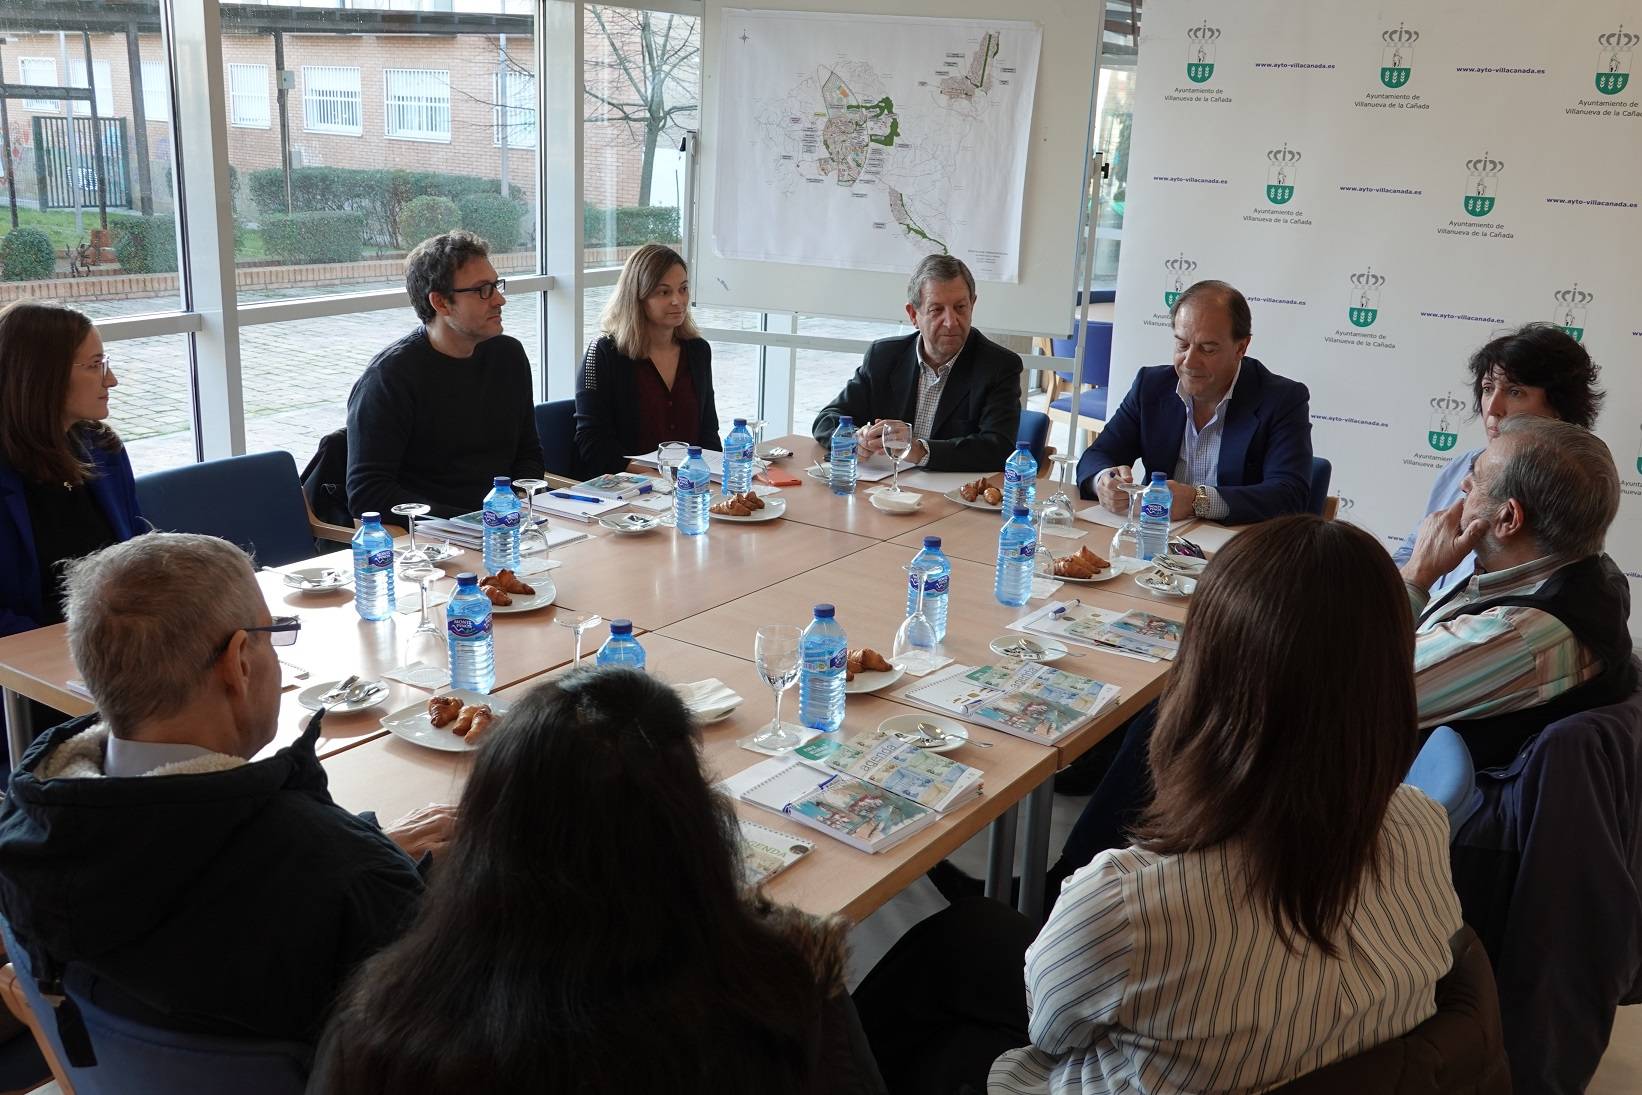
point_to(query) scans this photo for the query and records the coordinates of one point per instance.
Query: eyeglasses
(102, 363)
(485, 289)
(282, 632)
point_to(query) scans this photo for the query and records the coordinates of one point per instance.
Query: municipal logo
(1364, 308)
(1440, 434)
(1481, 184)
(1613, 60)
(1397, 56)
(1284, 163)
(1179, 275)
(1200, 42)
(1571, 305)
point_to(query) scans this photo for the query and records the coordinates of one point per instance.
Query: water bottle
(1020, 478)
(621, 648)
(937, 571)
(695, 481)
(501, 516)
(1154, 517)
(821, 681)
(842, 463)
(1017, 544)
(738, 459)
(373, 569)
(472, 645)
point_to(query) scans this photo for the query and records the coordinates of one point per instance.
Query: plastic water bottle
(842, 463)
(1020, 478)
(472, 644)
(1154, 517)
(936, 568)
(1017, 544)
(621, 648)
(821, 680)
(373, 569)
(501, 514)
(690, 501)
(738, 459)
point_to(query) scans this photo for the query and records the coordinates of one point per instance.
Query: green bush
(629, 225)
(493, 217)
(329, 236)
(381, 194)
(147, 245)
(426, 217)
(26, 254)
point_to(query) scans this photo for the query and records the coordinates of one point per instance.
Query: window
(330, 99)
(105, 87)
(156, 92)
(418, 103)
(248, 96)
(514, 115)
(41, 71)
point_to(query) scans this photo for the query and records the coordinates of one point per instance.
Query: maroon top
(666, 415)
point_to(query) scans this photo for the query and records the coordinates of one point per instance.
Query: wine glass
(896, 437)
(427, 643)
(670, 455)
(533, 540)
(916, 632)
(775, 651)
(1043, 565)
(1062, 515)
(756, 425)
(1126, 543)
(578, 624)
(411, 511)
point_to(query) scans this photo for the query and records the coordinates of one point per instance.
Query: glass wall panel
(151, 407)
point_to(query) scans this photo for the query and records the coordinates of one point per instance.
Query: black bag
(325, 479)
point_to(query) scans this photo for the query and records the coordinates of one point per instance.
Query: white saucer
(436, 552)
(953, 496)
(309, 698)
(869, 680)
(773, 508)
(1100, 576)
(316, 579)
(632, 524)
(905, 728)
(1186, 587)
(544, 595)
(1007, 645)
(412, 723)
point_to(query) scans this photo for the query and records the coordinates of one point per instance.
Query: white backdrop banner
(1391, 186)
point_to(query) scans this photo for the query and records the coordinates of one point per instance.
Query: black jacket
(607, 406)
(976, 419)
(224, 902)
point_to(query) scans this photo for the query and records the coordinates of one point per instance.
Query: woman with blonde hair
(649, 377)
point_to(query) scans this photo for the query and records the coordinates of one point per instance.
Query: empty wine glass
(1126, 543)
(756, 425)
(1062, 515)
(410, 511)
(775, 652)
(427, 643)
(533, 540)
(896, 437)
(670, 455)
(1043, 565)
(578, 624)
(916, 632)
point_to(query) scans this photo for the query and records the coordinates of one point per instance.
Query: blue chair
(254, 501)
(1445, 772)
(1097, 374)
(1034, 431)
(133, 1059)
(1321, 472)
(556, 429)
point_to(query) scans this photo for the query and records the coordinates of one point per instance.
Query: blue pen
(575, 497)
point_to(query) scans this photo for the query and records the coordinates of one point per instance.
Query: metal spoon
(937, 737)
(340, 691)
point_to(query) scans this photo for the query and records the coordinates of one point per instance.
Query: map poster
(866, 142)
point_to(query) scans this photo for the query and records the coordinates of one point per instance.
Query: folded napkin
(420, 674)
(408, 599)
(916, 663)
(709, 698)
(1044, 587)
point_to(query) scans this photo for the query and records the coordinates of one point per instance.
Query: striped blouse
(1157, 974)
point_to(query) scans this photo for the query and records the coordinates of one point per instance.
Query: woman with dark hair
(66, 487)
(587, 929)
(649, 377)
(1538, 369)
(1284, 903)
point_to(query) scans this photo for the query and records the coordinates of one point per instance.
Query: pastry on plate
(1085, 564)
(981, 490)
(479, 718)
(497, 595)
(865, 660)
(443, 710)
(508, 582)
(738, 505)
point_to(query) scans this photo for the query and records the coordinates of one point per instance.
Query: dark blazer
(979, 411)
(1265, 450)
(607, 404)
(115, 491)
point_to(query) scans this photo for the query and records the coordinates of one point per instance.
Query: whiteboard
(1041, 301)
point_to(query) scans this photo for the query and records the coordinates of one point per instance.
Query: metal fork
(341, 691)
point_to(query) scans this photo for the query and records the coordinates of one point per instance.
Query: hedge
(629, 225)
(26, 254)
(147, 245)
(328, 236)
(497, 219)
(426, 217)
(380, 194)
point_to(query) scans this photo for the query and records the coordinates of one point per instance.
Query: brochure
(929, 779)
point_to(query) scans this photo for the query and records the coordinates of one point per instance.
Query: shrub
(381, 194)
(26, 254)
(427, 216)
(147, 245)
(629, 225)
(326, 236)
(494, 217)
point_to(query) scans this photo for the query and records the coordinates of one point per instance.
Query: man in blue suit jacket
(1241, 454)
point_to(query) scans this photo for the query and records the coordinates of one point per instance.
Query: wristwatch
(1200, 501)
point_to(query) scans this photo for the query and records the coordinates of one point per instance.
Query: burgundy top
(666, 415)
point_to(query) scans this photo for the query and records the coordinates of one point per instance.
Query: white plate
(1187, 586)
(544, 595)
(1182, 564)
(773, 508)
(436, 552)
(905, 727)
(309, 698)
(889, 501)
(316, 579)
(648, 522)
(1100, 576)
(412, 724)
(872, 680)
(1004, 646)
(953, 496)
(819, 472)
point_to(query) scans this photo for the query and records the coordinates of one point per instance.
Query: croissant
(508, 582)
(478, 722)
(993, 496)
(443, 709)
(738, 505)
(865, 660)
(464, 721)
(496, 594)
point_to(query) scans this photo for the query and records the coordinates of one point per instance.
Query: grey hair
(937, 268)
(431, 267)
(1564, 478)
(147, 617)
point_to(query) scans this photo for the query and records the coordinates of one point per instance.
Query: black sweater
(607, 405)
(424, 427)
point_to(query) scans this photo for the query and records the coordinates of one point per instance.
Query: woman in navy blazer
(66, 487)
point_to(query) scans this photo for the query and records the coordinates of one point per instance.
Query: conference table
(696, 604)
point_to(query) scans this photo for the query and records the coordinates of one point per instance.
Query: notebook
(619, 484)
(926, 778)
(1138, 631)
(860, 814)
(1027, 699)
(766, 852)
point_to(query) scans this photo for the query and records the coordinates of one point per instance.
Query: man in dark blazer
(960, 391)
(1233, 437)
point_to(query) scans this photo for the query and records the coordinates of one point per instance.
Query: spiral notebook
(766, 852)
(1027, 699)
(860, 814)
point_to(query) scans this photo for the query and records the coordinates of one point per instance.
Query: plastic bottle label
(501, 520)
(827, 663)
(1154, 511)
(1026, 550)
(463, 628)
(1011, 476)
(938, 584)
(380, 560)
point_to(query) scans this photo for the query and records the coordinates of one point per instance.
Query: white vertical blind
(330, 99)
(248, 96)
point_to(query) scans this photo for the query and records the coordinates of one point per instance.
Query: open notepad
(468, 531)
(1027, 699)
(766, 852)
(1136, 633)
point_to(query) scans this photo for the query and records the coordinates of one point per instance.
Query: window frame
(426, 136)
(39, 106)
(357, 129)
(512, 101)
(234, 68)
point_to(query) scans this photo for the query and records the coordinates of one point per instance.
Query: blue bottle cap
(621, 627)
(845, 420)
(1159, 477)
(695, 450)
(741, 422)
(371, 517)
(932, 542)
(823, 612)
(467, 578)
(1024, 446)
(501, 481)
(1022, 511)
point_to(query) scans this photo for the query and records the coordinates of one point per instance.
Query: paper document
(714, 458)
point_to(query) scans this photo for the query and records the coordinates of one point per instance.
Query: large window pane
(150, 408)
(822, 374)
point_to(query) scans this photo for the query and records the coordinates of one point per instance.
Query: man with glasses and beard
(442, 411)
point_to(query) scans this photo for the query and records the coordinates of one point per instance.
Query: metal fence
(60, 173)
